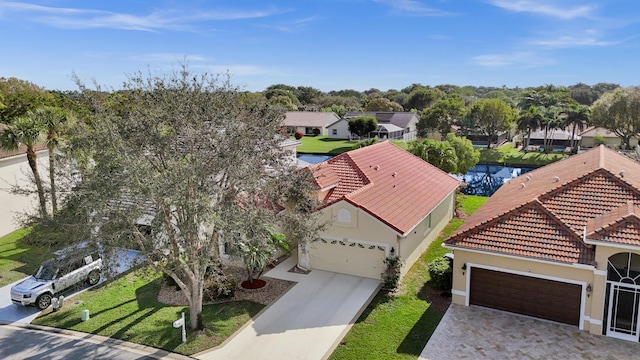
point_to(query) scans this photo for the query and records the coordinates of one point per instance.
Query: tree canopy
(619, 112)
(363, 125)
(492, 115)
(178, 164)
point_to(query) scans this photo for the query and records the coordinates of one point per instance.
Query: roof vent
(622, 173)
(556, 178)
(528, 177)
(394, 174)
(522, 185)
(377, 167)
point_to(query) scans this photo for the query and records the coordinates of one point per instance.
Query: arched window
(624, 268)
(344, 216)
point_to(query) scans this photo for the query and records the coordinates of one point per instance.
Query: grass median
(398, 326)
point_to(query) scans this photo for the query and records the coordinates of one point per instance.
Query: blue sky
(327, 44)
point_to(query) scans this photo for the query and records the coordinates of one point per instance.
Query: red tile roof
(620, 225)
(386, 181)
(571, 191)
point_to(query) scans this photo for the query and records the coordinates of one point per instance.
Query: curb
(98, 339)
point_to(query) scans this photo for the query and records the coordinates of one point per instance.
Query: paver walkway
(306, 322)
(480, 333)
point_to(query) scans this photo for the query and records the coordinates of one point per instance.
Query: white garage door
(347, 258)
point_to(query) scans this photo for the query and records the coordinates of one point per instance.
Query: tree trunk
(528, 139)
(52, 179)
(31, 158)
(195, 307)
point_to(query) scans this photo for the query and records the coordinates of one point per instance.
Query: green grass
(507, 155)
(324, 145)
(399, 326)
(128, 309)
(18, 259)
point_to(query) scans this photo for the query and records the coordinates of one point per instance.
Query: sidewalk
(307, 322)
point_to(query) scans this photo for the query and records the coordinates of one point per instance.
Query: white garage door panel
(347, 259)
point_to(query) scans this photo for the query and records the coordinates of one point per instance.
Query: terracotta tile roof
(572, 191)
(620, 225)
(529, 231)
(386, 181)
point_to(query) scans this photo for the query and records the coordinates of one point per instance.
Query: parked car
(55, 276)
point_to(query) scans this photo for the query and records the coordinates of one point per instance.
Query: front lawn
(507, 155)
(17, 259)
(399, 326)
(324, 145)
(128, 309)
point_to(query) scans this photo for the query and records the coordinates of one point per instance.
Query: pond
(484, 180)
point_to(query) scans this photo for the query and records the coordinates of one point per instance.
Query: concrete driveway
(307, 322)
(480, 333)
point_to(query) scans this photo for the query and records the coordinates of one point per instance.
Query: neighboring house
(379, 200)
(557, 137)
(407, 121)
(611, 139)
(310, 123)
(560, 243)
(339, 129)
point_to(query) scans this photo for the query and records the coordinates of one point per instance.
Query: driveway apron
(307, 322)
(481, 333)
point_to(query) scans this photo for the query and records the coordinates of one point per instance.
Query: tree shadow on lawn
(340, 150)
(421, 332)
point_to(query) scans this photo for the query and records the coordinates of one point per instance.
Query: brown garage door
(545, 299)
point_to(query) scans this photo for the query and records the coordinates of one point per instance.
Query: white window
(344, 216)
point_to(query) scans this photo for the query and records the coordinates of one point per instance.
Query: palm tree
(26, 130)
(437, 153)
(549, 122)
(528, 120)
(577, 117)
(54, 120)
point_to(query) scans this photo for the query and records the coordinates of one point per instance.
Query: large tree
(529, 120)
(20, 97)
(382, 104)
(437, 153)
(196, 163)
(492, 116)
(363, 125)
(467, 155)
(619, 112)
(441, 116)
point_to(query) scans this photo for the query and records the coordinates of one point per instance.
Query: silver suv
(54, 276)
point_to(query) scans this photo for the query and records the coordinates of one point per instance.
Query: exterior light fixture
(392, 251)
(589, 290)
(464, 268)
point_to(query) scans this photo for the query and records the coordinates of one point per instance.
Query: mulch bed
(271, 291)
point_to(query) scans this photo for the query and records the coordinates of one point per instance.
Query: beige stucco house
(379, 201)
(611, 139)
(560, 243)
(310, 123)
(339, 129)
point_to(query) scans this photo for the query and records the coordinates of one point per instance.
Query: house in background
(405, 121)
(310, 123)
(560, 243)
(339, 129)
(611, 139)
(379, 201)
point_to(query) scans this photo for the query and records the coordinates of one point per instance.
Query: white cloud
(77, 18)
(546, 7)
(413, 8)
(514, 59)
(569, 41)
(168, 57)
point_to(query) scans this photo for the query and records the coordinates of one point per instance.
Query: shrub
(391, 275)
(219, 287)
(298, 135)
(599, 140)
(441, 274)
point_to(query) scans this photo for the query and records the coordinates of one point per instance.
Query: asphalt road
(17, 343)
